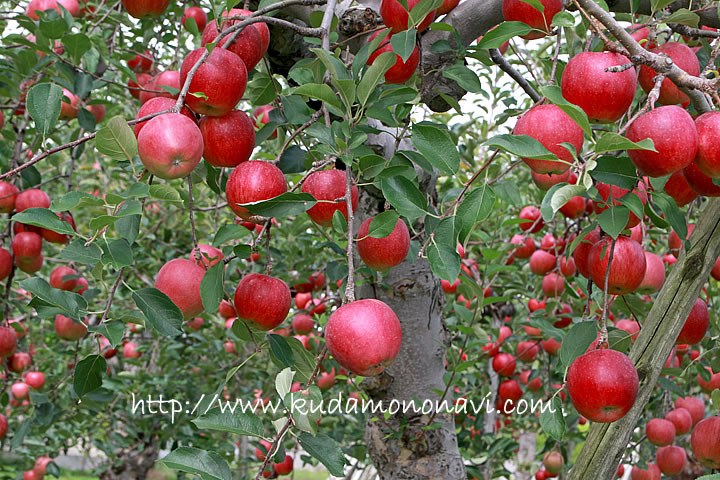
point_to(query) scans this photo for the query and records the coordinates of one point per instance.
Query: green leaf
(45, 218)
(564, 194)
(281, 350)
(683, 16)
(326, 450)
(520, 145)
(373, 74)
(563, 19)
(226, 233)
(117, 140)
(71, 304)
(656, 5)
(405, 196)
(76, 45)
(260, 90)
(88, 374)
(113, 331)
(437, 147)
(119, 253)
(383, 224)
(211, 287)
(43, 104)
(577, 341)
(554, 94)
(305, 408)
(442, 251)
(614, 219)
(323, 93)
(466, 78)
(475, 208)
(283, 382)
(553, 422)
(715, 397)
(618, 171)
(161, 313)
(74, 199)
(334, 65)
(292, 160)
(536, 4)
(163, 191)
(546, 206)
(611, 141)
(304, 360)
(285, 205)
(502, 33)
(672, 212)
(76, 251)
(714, 476)
(238, 422)
(209, 465)
(420, 11)
(403, 43)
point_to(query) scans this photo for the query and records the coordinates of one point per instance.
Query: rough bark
(606, 443)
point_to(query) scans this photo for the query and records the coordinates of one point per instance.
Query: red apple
(660, 432)
(450, 287)
(130, 350)
(705, 443)
(447, 7)
(285, 467)
(553, 462)
(401, 71)
(229, 140)
(8, 194)
(533, 219)
(682, 420)
(170, 146)
(253, 181)
(684, 58)
(553, 285)
(519, 11)
(197, 14)
(328, 185)
(675, 137)
(549, 125)
(143, 79)
(141, 63)
(504, 364)
(209, 255)
(59, 278)
(603, 385)
(510, 390)
(261, 116)
(97, 110)
(608, 192)
(196, 323)
(395, 15)
(629, 326)
(227, 310)
(41, 465)
(158, 104)
(698, 181)
(262, 300)
(574, 208)
(654, 274)
(31, 198)
(69, 109)
(60, 238)
(8, 341)
(35, 6)
(27, 246)
(679, 189)
(382, 254)
(527, 351)
(326, 380)
(546, 180)
(652, 473)
(145, 8)
(604, 96)
(6, 263)
(526, 250)
(168, 78)
(248, 45)
(19, 362)
(68, 329)
(628, 265)
(542, 262)
(221, 79)
(694, 405)
(364, 336)
(671, 460)
(707, 158)
(551, 346)
(180, 280)
(30, 265)
(696, 324)
(35, 379)
(567, 266)
(303, 324)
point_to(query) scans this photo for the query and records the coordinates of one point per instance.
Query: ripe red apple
(35, 379)
(574, 208)
(168, 78)
(19, 362)
(533, 219)
(209, 255)
(261, 116)
(628, 265)
(608, 192)
(326, 380)
(130, 350)
(447, 7)
(142, 81)
(8, 194)
(705, 443)
(674, 134)
(519, 11)
(527, 351)
(364, 336)
(248, 45)
(698, 181)
(97, 110)
(682, 420)
(510, 390)
(567, 266)
(654, 274)
(27, 245)
(8, 341)
(229, 140)
(41, 465)
(170, 146)
(609, 392)
(227, 310)
(221, 79)
(707, 158)
(553, 285)
(30, 265)
(401, 71)
(31, 198)
(694, 405)
(679, 189)
(382, 254)
(141, 63)
(68, 329)
(20, 390)
(253, 181)
(303, 324)
(504, 364)
(551, 346)
(395, 15)
(196, 323)
(6, 263)
(550, 126)
(546, 180)
(671, 460)
(684, 58)
(35, 6)
(145, 8)
(197, 14)
(285, 467)
(629, 326)
(660, 432)
(450, 287)
(58, 278)
(696, 324)
(328, 185)
(262, 300)
(542, 262)
(180, 280)
(69, 109)
(604, 96)
(60, 238)
(158, 104)
(528, 246)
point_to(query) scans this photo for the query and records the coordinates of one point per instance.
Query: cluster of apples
(275, 469)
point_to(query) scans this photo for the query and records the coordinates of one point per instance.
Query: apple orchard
(394, 201)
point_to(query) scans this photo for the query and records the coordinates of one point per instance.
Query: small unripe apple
(553, 462)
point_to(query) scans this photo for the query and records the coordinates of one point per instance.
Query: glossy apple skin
(447, 7)
(285, 467)
(628, 265)
(382, 254)
(567, 267)
(516, 10)
(253, 181)
(27, 245)
(8, 341)
(168, 78)
(679, 189)
(673, 131)
(395, 16)
(36, 380)
(6, 263)
(546, 180)
(684, 58)
(526, 250)
(8, 194)
(550, 126)
(504, 364)
(660, 432)
(303, 324)
(68, 329)
(58, 278)
(32, 198)
(694, 405)
(699, 182)
(401, 71)
(229, 140)
(542, 262)
(145, 8)
(629, 326)
(671, 460)
(553, 285)
(581, 254)
(705, 443)
(534, 222)
(20, 390)
(328, 185)
(713, 384)
(209, 255)
(603, 96)
(170, 146)
(248, 45)
(262, 300)
(574, 208)
(72, 6)
(654, 274)
(707, 157)
(197, 14)
(696, 325)
(158, 104)
(180, 280)
(682, 420)
(603, 385)
(364, 336)
(222, 79)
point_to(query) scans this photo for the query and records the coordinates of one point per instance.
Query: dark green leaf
(403, 43)
(465, 77)
(285, 205)
(577, 341)
(437, 147)
(43, 104)
(211, 287)
(618, 171)
(209, 465)
(113, 331)
(161, 313)
(383, 224)
(238, 422)
(281, 350)
(88, 374)
(76, 251)
(226, 233)
(614, 219)
(119, 253)
(45, 218)
(502, 33)
(117, 140)
(553, 421)
(326, 450)
(292, 160)
(476, 207)
(611, 141)
(71, 304)
(520, 145)
(405, 196)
